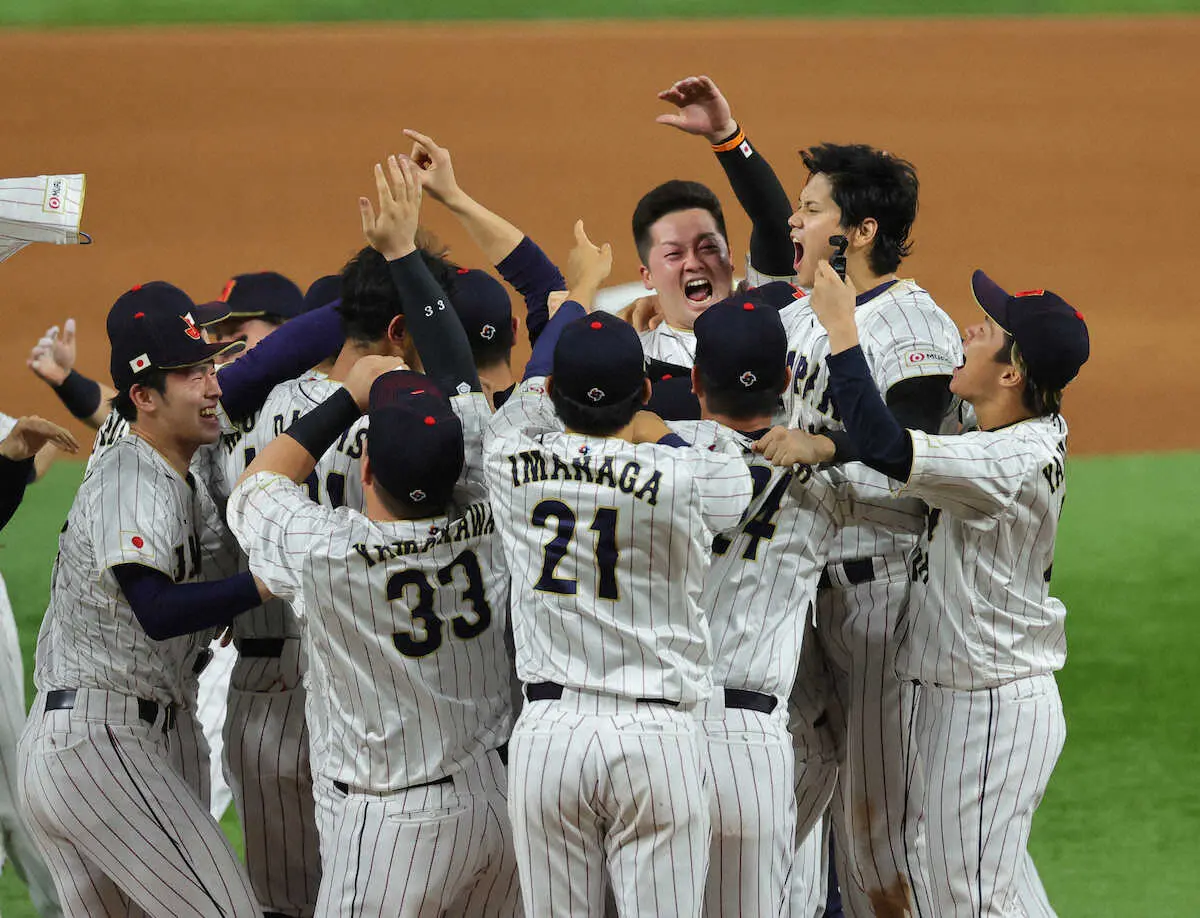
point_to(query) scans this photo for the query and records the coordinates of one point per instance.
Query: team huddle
(743, 580)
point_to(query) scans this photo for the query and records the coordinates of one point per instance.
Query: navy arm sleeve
(297, 345)
(434, 326)
(14, 476)
(919, 403)
(533, 275)
(765, 202)
(167, 609)
(882, 443)
(541, 361)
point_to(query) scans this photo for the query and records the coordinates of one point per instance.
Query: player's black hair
(737, 404)
(668, 198)
(153, 378)
(1037, 399)
(593, 421)
(369, 297)
(866, 183)
(486, 353)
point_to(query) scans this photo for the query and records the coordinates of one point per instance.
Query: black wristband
(80, 394)
(317, 430)
(844, 449)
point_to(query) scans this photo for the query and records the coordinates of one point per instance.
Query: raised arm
(518, 258)
(704, 111)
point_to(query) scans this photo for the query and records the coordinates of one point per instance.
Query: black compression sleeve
(919, 403)
(14, 475)
(80, 394)
(765, 202)
(167, 609)
(882, 443)
(317, 429)
(434, 326)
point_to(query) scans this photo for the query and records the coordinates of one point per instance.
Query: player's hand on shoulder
(363, 374)
(643, 314)
(702, 109)
(263, 593)
(588, 266)
(434, 167)
(31, 433)
(392, 231)
(647, 427)
(787, 446)
(53, 357)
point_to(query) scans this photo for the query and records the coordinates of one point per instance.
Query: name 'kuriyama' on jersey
(531, 465)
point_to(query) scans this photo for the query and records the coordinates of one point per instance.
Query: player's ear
(142, 397)
(697, 386)
(1011, 377)
(863, 235)
(787, 380)
(365, 473)
(515, 325)
(549, 385)
(645, 389)
(646, 282)
(395, 330)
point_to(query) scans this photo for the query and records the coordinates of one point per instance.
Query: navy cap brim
(991, 297)
(210, 352)
(211, 313)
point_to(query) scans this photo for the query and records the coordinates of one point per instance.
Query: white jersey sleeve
(276, 524)
(528, 410)
(138, 521)
(670, 345)
(905, 335)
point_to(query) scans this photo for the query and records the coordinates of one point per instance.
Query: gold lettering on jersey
(476, 520)
(531, 466)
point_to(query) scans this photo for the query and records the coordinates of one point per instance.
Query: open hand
(53, 357)
(363, 374)
(434, 168)
(31, 433)
(703, 110)
(786, 446)
(833, 302)
(588, 266)
(393, 231)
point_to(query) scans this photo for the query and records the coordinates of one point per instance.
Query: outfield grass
(127, 12)
(1117, 832)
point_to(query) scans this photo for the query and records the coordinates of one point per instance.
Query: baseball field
(1054, 145)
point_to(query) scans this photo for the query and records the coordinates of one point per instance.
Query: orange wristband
(732, 143)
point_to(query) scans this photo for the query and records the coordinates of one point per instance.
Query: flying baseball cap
(153, 327)
(741, 345)
(1050, 333)
(483, 307)
(414, 439)
(265, 292)
(322, 292)
(598, 361)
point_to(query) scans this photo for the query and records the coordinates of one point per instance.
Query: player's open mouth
(208, 412)
(698, 290)
(799, 254)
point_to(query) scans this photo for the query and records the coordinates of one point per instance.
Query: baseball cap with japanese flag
(156, 326)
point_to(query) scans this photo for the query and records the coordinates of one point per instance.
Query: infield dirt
(1052, 153)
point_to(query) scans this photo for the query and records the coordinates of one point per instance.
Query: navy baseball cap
(415, 440)
(153, 327)
(1050, 333)
(483, 307)
(598, 361)
(322, 292)
(741, 345)
(265, 292)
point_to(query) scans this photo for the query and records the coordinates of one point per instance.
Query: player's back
(608, 544)
(981, 613)
(132, 508)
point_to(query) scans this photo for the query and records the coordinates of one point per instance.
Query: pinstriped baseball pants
(119, 827)
(600, 784)
(987, 756)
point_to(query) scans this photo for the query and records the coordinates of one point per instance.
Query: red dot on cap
(1079, 315)
(136, 287)
(597, 325)
(464, 271)
(666, 376)
(749, 307)
(429, 421)
(139, 315)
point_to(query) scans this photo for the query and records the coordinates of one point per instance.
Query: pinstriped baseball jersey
(904, 334)
(132, 508)
(980, 613)
(406, 621)
(608, 545)
(670, 345)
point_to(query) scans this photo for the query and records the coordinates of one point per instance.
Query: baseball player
(257, 304)
(759, 596)
(606, 520)
(870, 197)
(431, 733)
(981, 637)
(115, 819)
(21, 441)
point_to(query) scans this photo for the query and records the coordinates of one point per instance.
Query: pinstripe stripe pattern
(987, 756)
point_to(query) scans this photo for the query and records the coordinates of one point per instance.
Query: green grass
(126, 12)
(1117, 832)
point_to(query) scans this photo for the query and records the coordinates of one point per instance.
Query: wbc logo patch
(595, 394)
(416, 495)
(747, 379)
(488, 332)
